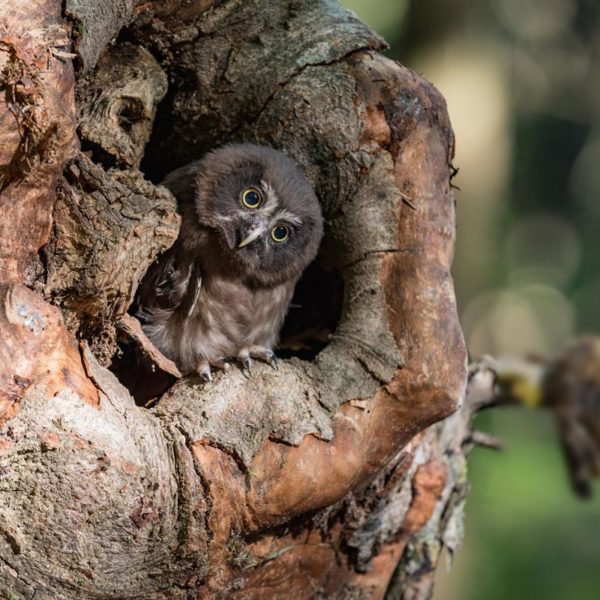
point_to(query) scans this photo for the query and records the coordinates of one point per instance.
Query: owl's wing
(171, 284)
(173, 281)
(181, 182)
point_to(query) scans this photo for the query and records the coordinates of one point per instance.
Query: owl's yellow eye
(251, 198)
(280, 233)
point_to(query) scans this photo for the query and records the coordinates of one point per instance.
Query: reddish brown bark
(309, 482)
(37, 128)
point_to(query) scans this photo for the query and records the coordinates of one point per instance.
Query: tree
(340, 476)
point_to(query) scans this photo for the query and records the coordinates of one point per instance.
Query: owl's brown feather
(207, 299)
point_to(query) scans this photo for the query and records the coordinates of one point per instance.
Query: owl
(251, 223)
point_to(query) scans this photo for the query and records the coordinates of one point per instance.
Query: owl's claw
(204, 371)
(272, 360)
(259, 352)
(245, 361)
(204, 368)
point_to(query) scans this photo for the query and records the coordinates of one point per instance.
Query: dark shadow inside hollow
(145, 382)
(313, 314)
(157, 163)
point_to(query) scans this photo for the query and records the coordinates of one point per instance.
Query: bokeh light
(536, 19)
(543, 248)
(585, 177)
(522, 83)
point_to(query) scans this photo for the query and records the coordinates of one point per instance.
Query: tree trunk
(320, 480)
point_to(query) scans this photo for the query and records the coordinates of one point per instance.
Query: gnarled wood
(37, 128)
(273, 483)
(109, 227)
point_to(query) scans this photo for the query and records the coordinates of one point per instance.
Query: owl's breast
(230, 317)
(269, 308)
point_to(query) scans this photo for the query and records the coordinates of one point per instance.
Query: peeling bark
(312, 482)
(109, 227)
(37, 128)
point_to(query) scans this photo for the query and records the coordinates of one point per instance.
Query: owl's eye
(280, 233)
(251, 198)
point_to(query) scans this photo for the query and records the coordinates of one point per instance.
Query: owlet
(251, 223)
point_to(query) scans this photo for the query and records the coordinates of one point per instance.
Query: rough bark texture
(312, 482)
(37, 128)
(108, 228)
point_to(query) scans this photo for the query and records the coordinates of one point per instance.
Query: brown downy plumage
(251, 223)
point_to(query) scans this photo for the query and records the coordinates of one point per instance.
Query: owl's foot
(203, 370)
(204, 366)
(246, 355)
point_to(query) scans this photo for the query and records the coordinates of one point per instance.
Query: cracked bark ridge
(95, 24)
(109, 227)
(37, 128)
(310, 481)
(118, 103)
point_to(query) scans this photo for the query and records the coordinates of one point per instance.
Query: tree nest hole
(311, 320)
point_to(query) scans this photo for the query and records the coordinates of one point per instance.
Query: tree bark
(312, 482)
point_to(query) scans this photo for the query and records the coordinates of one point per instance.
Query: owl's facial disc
(263, 216)
(259, 202)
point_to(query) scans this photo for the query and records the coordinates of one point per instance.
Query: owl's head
(263, 208)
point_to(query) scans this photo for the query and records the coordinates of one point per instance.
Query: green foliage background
(522, 81)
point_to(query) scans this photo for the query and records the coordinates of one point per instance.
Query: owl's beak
(251, 236)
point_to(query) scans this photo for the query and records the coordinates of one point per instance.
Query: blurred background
(522, 82)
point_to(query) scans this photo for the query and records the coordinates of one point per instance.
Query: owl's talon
(265, 354)
(204, 372)
(272, 360)
(247, 362)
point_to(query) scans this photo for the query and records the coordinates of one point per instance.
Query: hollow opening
(314, 311)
